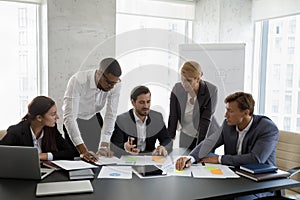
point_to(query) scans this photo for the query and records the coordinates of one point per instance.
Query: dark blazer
(203, 110)
(20, 135)
(125, 127)
(259, 144)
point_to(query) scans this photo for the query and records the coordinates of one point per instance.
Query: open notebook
(21, 162)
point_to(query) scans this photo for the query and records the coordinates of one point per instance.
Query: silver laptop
(21, 162)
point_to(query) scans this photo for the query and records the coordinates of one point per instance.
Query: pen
(129, 141)
(186, 162)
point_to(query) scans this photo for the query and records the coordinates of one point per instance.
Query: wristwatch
(103, 148)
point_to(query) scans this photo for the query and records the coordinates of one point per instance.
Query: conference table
(169, 187)
(172, 187)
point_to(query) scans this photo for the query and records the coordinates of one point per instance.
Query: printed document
(116, 172)
(212, 171)
(73, 164)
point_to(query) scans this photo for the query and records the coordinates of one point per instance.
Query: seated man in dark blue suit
(247, 138)
(137, 130)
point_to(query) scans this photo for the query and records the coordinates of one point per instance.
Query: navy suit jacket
(20, 135)
(125, 127)
(259, 144)
(203, 110)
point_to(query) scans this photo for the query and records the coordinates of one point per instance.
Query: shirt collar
(137, 119)
(33, 135)
(245, 129)
(91, 76)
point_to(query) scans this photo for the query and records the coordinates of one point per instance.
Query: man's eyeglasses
(108, 82)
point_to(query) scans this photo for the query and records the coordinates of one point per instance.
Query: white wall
(226, 21)
(75, 27)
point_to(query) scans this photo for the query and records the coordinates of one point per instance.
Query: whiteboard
(222, 64)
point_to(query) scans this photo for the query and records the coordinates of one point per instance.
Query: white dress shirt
(187, 121)
(83, 100)
(38, 143)
(141, 128)
(242, 134)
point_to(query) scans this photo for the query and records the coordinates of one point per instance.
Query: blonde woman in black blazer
(192, 104)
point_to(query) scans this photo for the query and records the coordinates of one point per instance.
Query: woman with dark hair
(38, 128)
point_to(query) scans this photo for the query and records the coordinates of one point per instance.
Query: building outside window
(19, 59)
(281, 70)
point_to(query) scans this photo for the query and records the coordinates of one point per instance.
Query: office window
(298, 76)
(274, 119)
(175, 17)
(289, 75)
(292, 25)
(298, 107)
(276, 71)
(275, 102)
(298, 125)
(19, 60)
(288, 104)
(287, 123)
(277, 44)
(291, 45)
(22, 17)
(279, 66)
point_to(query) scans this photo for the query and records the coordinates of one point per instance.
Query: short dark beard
(100, 87)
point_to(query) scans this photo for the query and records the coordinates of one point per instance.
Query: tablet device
(147, 171)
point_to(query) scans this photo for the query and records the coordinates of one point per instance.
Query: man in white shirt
(86, 95)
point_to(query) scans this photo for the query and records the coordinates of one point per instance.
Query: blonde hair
(191, 69)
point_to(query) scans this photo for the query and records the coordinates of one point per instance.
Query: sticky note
(131, 159)
(210, 168)
(158, 159)
(216, 171)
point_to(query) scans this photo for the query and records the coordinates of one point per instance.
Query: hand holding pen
(183, 162)
(130, 147)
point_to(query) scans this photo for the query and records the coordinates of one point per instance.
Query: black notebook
(263, 176)
(258, 168)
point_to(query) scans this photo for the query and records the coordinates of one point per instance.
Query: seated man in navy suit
(137, 130)
(247, 138)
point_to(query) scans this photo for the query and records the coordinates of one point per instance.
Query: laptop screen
(23, 162)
